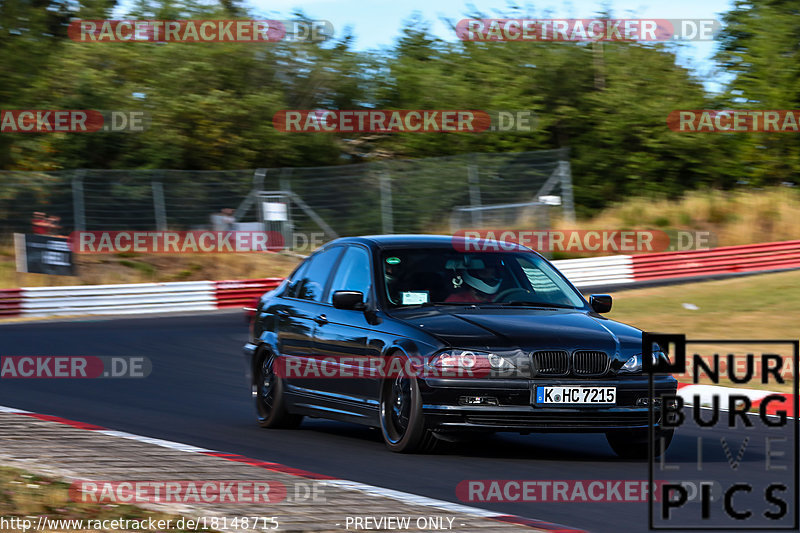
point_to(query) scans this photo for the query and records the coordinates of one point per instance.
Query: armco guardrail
(10, 302)
(725, 260)
(611, 270)
(119, 299)
(243, 292)
(211, 295)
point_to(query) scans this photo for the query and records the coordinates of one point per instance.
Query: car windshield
(446, 276)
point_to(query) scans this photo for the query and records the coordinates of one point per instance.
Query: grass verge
(26, 495)
(761, 307)
(733, 217)
(98, 269)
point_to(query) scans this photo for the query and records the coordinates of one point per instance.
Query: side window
(548, 287)
(312, 282)
(294, 281)
(353, 273)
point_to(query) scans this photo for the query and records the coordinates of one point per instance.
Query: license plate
(576, 395)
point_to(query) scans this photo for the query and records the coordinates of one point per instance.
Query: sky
(376, 24)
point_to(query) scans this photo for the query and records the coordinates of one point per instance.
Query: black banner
(44, 254)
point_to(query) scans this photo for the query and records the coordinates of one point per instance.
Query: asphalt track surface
(197, 394)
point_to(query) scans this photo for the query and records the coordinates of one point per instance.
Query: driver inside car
(473, 280)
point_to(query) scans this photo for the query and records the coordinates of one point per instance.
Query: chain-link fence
(395, 196)
(120, 199)
(425, 195)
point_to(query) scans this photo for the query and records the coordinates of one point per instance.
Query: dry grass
(27, 495)
(737, 217)
(731, 217)
(752, 307)
(141, 268)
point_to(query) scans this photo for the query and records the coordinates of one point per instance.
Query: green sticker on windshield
(393, 260)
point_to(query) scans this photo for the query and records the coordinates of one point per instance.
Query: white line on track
(403, 497)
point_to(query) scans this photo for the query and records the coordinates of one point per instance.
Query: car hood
(525, 329)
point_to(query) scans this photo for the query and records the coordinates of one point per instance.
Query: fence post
(474, 192)
(158, 205)
(387, 218)
(566, 191)
(285, 185)
(252, 197)
(79, 213)
(258, 179)
(285, 179)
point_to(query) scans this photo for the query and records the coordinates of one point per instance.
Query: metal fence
(120, 199)
(394, 196)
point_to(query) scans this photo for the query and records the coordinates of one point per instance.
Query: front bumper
(249, 352)
(516, 410)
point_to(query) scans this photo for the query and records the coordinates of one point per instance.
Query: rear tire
(268, 391)
(632, 443)
(402, 422)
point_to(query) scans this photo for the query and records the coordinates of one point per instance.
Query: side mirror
(601, 303)
(348, 300)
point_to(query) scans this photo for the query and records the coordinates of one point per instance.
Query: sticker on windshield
(393, 260)
(414, 297)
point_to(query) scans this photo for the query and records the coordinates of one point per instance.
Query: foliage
(211, 105)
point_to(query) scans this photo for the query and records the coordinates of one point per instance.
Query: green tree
(760, 51)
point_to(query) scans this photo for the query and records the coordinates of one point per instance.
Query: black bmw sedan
(430, 338)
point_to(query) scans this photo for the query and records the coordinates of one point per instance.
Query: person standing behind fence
(223, 221)
(54, 226)
(228, 219)
(39, 223)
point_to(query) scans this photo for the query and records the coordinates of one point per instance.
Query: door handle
(321, 319)
(282, 312)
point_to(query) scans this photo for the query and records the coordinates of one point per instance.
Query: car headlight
(634, 364)
(470, 360)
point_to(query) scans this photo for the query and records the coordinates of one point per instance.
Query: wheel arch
(267, 343)
(406, 346)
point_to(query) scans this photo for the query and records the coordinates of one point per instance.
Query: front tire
(402, 422)
(633, 443)
(268, 391)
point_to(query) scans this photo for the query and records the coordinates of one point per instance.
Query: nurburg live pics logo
(748, 449)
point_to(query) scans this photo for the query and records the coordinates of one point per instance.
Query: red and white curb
(707, 393)
(403, 497)
(189, 296)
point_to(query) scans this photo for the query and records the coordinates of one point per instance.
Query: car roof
(428, 241)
